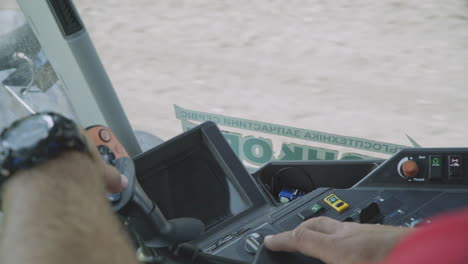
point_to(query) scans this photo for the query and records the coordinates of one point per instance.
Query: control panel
(422, 168)
(407, 190)
(362, 205)
(435, 168)
(197, 175)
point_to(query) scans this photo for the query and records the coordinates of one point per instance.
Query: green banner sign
(258, 151)
(290, 132)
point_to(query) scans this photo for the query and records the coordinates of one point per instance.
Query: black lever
(155, 230)
(142, 214)
(371, 214)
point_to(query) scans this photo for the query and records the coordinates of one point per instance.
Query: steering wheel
(266, 256)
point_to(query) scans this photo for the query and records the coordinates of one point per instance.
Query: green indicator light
(316, 207)
(435, 162)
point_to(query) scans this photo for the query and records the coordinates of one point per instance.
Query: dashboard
(408, 189)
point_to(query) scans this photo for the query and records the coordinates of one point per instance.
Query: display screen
(193, 184)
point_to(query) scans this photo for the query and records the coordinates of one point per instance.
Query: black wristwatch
(36, 139)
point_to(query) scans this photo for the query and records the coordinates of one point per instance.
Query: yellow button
(336, 203)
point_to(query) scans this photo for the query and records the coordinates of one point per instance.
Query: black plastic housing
(195, 174)
(310, 175)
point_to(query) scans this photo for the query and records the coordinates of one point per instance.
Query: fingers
(301, 239)
(286, 241)
(323, 224)
(115, 182)
(313, 238)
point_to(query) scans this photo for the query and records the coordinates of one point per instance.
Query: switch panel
(422, 168)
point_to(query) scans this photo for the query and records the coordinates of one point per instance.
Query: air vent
(66, 16)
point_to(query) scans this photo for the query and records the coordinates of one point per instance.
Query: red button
(410, 168)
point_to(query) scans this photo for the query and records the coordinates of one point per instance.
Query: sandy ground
(371, 69)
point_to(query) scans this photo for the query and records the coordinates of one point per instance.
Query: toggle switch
(455, 163)
(253, 243)
(371, 214)
(435, 168)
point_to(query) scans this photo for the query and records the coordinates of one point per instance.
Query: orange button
(410, 168)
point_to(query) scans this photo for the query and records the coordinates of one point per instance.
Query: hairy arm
(57, 213)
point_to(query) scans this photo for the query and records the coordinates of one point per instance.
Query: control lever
(146, 218)
(371, 214)
(158, 231)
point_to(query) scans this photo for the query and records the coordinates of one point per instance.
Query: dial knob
(253, 243)
(409, 169)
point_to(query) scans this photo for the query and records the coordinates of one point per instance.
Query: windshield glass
(296, 80)
(376, 70)
(28, 81)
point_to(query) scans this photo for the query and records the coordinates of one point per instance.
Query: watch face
(28, 132)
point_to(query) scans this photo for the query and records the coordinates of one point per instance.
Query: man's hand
(57, 212)
(90, 164)
(115, 182)
(337, 242)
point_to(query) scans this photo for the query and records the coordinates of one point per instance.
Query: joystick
(114, 154)
(134, 203)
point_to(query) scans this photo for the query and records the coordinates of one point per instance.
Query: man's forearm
(58, 214)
